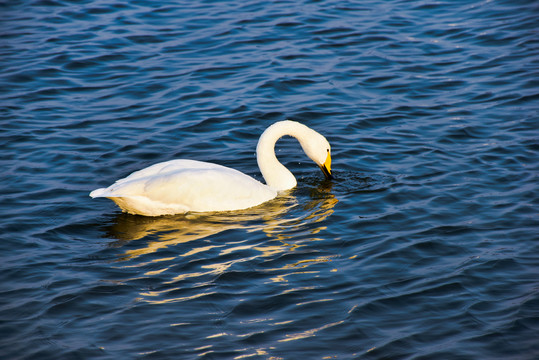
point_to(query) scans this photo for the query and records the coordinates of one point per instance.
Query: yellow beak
(326, 167)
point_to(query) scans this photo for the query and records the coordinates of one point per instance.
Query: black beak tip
(326, 173)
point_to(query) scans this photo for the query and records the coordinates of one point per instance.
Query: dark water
(426, 245)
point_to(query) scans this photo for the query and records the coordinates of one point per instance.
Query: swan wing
(170, 166)
(179, 186)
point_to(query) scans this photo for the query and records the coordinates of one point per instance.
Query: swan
(180, 186)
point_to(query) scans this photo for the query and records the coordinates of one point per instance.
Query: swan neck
(276, 175)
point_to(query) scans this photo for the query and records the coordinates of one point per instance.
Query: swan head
(318, 150)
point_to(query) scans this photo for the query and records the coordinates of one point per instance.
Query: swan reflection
(270, 218)
(174, 230)
(223, 239)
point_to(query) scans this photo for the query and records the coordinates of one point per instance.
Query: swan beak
(326, 167)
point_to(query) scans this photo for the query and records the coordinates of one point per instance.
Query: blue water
(425, 246)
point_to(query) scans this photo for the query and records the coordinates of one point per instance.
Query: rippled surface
(425, 246)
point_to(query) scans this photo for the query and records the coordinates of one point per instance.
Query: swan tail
(102, 192)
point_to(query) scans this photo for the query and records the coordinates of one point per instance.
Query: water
(425, 245)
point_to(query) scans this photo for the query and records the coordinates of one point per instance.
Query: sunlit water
(425, 246)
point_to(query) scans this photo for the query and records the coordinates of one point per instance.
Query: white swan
(179, 186)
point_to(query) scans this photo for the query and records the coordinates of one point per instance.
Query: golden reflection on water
(309, 333)
(282, 220)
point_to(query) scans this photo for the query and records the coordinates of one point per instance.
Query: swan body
(179, 186)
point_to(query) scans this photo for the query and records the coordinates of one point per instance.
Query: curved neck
(277, 176)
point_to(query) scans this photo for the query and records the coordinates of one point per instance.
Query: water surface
(425, 245)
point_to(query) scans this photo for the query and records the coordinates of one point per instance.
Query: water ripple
(424, 246)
